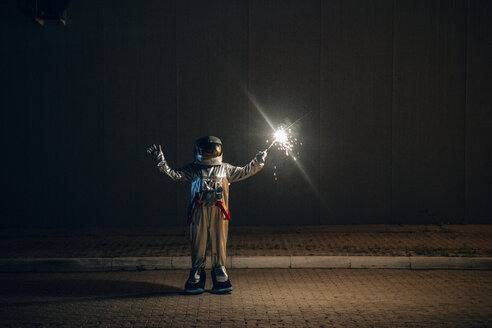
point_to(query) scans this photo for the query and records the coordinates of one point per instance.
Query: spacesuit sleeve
(237, 173)
(182, 174)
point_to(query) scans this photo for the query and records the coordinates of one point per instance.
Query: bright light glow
(284, 141)
(287, 145)
(281, 136)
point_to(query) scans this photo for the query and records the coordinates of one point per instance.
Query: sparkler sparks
(257, 105)
(285, 141)
(284, 138)
(281, 136)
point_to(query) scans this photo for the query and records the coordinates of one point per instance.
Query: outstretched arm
(182, 174)
(237, 173)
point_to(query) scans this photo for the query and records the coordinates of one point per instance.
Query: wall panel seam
(392, 95)
(176, 188)
(465, 105)
(319, 109)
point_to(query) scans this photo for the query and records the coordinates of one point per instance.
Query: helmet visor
(209, 149)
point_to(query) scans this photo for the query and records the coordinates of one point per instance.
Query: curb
(244, 262)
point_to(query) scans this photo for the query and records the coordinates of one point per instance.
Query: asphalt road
(261, 298)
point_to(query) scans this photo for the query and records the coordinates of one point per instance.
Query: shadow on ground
(84, 288)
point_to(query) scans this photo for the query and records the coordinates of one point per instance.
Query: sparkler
(285, 141)
(284, 137)
(279, 136)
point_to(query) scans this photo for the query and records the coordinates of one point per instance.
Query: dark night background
(399, 94)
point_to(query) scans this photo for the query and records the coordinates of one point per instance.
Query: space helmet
(208, 151)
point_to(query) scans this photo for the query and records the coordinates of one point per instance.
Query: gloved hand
(156, 153)
(261, 156)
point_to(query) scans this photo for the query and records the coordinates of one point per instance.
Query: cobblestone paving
(261, 298)
(429, 240)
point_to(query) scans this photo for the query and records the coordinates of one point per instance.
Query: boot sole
(194, 291)
(221, 290)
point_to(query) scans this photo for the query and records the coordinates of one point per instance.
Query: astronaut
(208, 210)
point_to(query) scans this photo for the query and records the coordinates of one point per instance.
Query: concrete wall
(398, 96)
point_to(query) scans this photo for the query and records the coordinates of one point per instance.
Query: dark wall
(356, 120)
(396, 96)
(428, 110)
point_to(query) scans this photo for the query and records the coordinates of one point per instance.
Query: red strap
(219, 204)
(198, 203)
(227, 214)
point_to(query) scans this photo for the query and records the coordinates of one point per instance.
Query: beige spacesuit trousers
(208, 228)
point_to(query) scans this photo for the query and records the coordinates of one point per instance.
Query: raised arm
(182, 174)
(237, 173)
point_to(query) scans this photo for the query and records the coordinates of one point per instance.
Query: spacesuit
(208, 211)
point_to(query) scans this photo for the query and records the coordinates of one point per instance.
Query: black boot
(221, 281)
(196, 281)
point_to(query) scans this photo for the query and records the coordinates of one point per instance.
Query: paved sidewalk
(261, 298)
(358, 240)
(371, 246)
